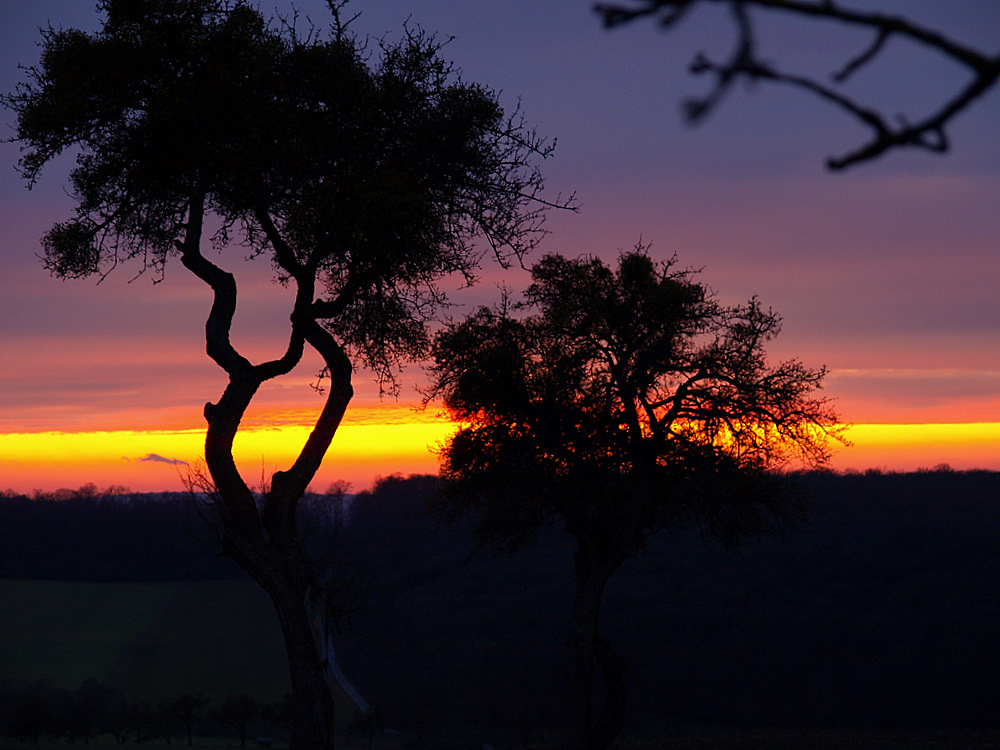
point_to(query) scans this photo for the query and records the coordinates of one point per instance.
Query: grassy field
(720, 739)
(156, 640)
(106, 743)
(707, 739)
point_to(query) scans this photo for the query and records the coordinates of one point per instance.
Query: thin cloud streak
(156, 458)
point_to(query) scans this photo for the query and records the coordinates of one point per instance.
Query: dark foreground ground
(820, 740)
(873, 625)
(694, 739)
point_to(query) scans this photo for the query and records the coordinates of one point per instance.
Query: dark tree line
(87, 535)
(124, 537)
(30, 712)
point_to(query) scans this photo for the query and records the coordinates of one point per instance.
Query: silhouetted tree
(631, 402)
(141, 717)
(187, 710)
(278, 714)
(30, 713)
(84, 711)
(118, 721)
(362, 178)
(888, 131)
(238, 713)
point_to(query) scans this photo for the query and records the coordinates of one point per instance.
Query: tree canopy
(625, 378)
(370, 178)
(632, 401)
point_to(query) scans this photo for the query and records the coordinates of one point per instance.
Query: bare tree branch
(928, 133)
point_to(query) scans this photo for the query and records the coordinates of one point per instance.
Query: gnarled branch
(928, 133)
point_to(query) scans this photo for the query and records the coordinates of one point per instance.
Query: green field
(156, 640)
(694, 740)
(159, 640)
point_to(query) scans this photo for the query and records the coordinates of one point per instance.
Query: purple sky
(887, 273)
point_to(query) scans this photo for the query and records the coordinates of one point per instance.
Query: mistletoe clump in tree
(363, 178)
(630, 402)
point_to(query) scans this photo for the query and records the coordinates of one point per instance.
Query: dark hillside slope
(883, 611)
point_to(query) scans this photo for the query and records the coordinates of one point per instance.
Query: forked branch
(928, 133)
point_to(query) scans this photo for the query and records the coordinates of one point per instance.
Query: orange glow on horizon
(157, 460)
(401, 441)
(908, 447)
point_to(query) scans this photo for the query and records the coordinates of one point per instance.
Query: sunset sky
(887, 273)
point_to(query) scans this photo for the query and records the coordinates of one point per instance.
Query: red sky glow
(887, 273)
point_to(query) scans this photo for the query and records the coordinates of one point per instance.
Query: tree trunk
(607, 728)
(264, 540)
(311, 724)
(587, 650)
(578, 697)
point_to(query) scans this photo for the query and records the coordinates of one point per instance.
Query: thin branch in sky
(928, 133)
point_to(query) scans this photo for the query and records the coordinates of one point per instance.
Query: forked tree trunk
(264, 540)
